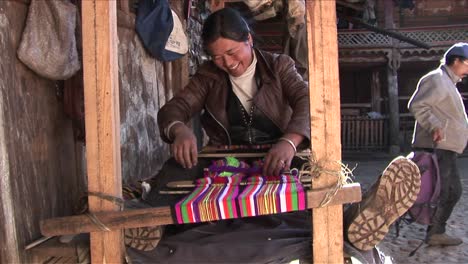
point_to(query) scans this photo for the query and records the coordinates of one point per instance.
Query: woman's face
(231, 56)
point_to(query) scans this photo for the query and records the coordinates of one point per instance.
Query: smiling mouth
(234, 67)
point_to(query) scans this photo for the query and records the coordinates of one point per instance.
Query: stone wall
(142, 93)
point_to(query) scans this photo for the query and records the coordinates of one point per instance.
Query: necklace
(248, 123)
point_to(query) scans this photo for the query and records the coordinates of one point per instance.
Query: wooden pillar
(376, 92)
(392, 83)
(100, 65)
(325, 124)
(393, 110)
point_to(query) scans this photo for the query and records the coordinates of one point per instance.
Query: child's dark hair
(227, 23)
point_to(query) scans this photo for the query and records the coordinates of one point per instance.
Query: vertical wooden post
(325, 124)
(376, 92)
(100, 65)
(392, 83)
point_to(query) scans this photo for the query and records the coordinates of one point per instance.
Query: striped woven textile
(212, 199)
(232, 190)
(271, 195)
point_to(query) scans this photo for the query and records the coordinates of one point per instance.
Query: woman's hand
(278, 158)
(281, 154)
(184, 147)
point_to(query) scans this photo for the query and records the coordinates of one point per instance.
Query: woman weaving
(247, 97)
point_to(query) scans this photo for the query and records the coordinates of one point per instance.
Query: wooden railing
(434, 36)
(360, 133)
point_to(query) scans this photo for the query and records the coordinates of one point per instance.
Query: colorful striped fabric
(271, 195)
(216, 196)
(212, 199)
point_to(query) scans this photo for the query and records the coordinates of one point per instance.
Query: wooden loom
(100, 63)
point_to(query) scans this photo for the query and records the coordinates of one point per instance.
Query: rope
(98, 222)
(314, 169)
(116, 200)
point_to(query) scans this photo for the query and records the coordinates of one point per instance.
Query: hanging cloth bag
(48, 44)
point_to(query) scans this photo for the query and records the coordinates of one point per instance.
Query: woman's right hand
(184, 147)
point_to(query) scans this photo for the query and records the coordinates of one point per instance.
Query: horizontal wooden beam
(55, 248)
(303, 154)
(350, 193)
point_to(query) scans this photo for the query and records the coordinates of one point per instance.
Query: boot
(143, 238)
(443, 240)
(367, 223)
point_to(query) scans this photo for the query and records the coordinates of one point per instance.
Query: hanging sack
(48, 45)
(160, 30)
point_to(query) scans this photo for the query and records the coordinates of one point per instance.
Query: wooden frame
(103, 146)
(322, 38)
(101, 88)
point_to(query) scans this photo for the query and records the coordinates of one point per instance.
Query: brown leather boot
(367, 223)
(443, 240)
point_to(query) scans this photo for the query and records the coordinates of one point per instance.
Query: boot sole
(397, 191)
(143, 238)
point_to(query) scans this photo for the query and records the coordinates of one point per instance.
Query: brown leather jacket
(282, 96)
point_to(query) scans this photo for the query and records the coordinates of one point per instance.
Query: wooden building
(379, 70)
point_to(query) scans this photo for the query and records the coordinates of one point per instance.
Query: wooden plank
(100, 64)
(353, 133)
(364, 127)
(55, 248)
(343, 133)
(244, 154)
(115, 220)
(362, 105)
(348, 134)
(358, 133)
(325, 123)
(379, 132)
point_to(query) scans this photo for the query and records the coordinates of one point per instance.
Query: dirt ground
(398, 248)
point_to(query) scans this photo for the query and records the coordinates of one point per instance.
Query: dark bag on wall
(48, 44)
(160, 30)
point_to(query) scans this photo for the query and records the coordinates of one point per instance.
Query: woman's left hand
(278, 158)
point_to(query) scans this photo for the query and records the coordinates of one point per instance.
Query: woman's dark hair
(227, 23)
